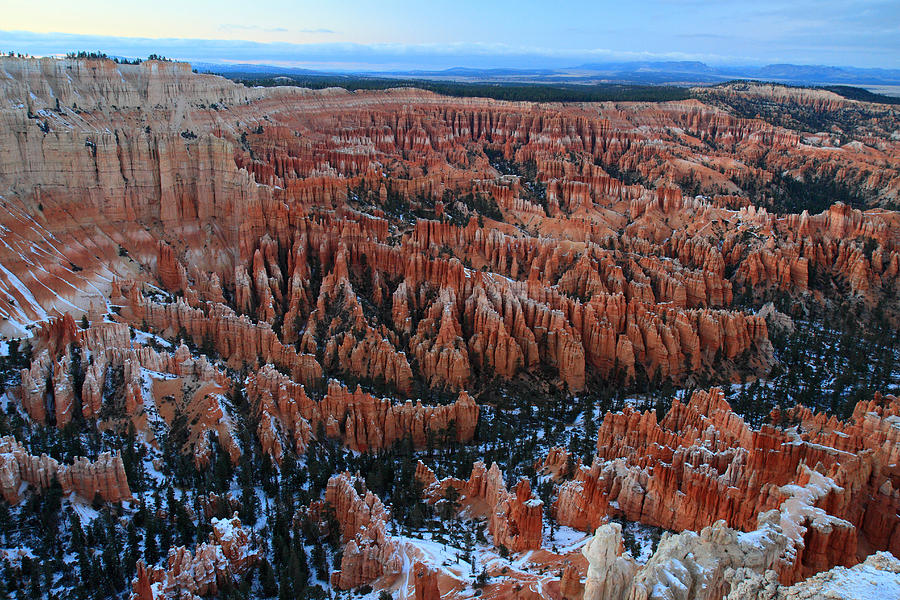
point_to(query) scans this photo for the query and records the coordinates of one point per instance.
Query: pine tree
(165, 540)
(77, 533)
(267, 581)
(151, 551)
(133, 552)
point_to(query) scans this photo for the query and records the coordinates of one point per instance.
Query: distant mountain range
(639, 72)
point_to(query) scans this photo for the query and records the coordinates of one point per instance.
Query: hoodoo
(267, 341)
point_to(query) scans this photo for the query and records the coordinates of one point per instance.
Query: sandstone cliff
(702, 464)
(340, 255)
(228, 555)
(361, 420)
(369, 551)
(264, 235)
(515, 518)
(104, 477)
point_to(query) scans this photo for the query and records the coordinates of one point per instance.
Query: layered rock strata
(369, 552)
(702, 464)
(104, 477)
(228, 555)
(515, 518)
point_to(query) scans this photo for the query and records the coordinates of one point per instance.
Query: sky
(433, 34)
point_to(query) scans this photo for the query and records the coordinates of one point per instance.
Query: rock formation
(144, 384)
(228, 554)
(877, 577)
(426, 582)
(104, 477)
(703, 464)
(722, 563)
(363, 421)
(693, 566)
(515, 519)
(369, 551)
(323, 260)
(263, 237)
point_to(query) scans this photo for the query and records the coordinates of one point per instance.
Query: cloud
(347, 56)
(259, 28)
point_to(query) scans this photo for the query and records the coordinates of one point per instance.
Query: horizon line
(374, 57)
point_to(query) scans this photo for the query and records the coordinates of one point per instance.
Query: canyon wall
(832, 483)
(104, 477)
(369, 552)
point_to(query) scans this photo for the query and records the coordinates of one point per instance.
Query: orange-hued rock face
(369, 551)
(104, 476)
(361, 420)
(139, 384)
(277, 234)
(515, 518)
(228, 555)
(426, 582)
(213, 264)
(830, 483)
